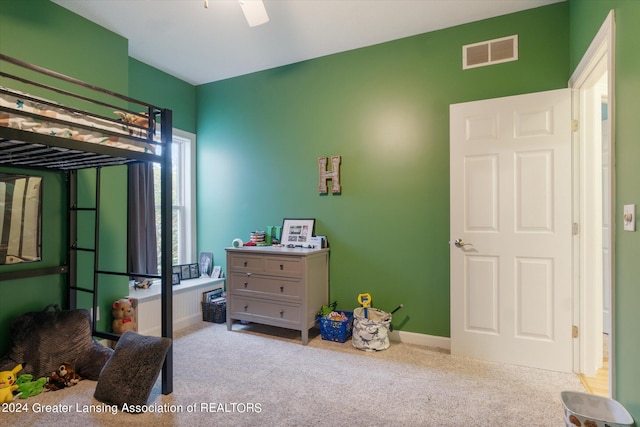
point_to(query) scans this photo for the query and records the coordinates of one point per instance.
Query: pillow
(43, 340)
(129, 375)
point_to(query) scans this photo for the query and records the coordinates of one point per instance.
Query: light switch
(629, 217)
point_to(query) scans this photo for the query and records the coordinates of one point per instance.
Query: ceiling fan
(253, 10)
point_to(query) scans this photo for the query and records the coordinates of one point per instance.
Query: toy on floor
(123, 312)
(27, 387)
(7, 384)
(62, 377)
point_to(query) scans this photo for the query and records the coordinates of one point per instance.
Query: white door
(511, 269)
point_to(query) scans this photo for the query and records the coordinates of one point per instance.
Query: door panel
(511, 284)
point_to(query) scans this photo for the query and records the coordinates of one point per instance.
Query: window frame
(184, 187)
(190, 241)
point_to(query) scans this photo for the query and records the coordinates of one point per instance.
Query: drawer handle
(248, 274)
(281, 313)
(281, 266)
(281, 288)
(245, 307)
(245, 263)
(245, 285)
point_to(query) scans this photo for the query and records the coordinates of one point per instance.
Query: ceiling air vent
(490, 52)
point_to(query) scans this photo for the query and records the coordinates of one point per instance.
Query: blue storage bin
(336, 330)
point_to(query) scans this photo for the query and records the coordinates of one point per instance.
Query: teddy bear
(123, 312)
(7, 384)
(64, 376)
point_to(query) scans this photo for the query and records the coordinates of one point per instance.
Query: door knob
(460, 244)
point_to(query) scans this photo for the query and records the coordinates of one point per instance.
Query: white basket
(372, 332)
(589, 410)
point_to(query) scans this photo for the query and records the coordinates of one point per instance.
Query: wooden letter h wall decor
(324, 175)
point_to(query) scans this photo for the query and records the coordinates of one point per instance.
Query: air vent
(490, 52)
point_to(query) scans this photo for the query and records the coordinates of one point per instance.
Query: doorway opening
(592, 85)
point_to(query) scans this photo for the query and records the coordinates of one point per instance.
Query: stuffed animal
(123, 315)
(62, 377)
(141, 119)
(27, 387)
(7, 384)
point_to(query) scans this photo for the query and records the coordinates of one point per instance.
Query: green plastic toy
(27, 387)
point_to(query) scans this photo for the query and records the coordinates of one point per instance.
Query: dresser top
(277, 250)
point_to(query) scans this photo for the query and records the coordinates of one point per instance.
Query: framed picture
(175, 278)
(185, 272)
(176, 270)
(297, 231)
(216, 272)
(206, 263)
(194, 270)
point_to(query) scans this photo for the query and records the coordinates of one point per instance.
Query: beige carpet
(261, 376)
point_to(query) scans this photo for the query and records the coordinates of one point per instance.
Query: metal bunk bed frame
(29, 150)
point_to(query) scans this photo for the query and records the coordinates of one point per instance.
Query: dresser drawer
(265, 309)
(265, 286)
(283, 266)
(242, 262)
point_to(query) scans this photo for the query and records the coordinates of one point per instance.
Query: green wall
(45, 34)
(177, 95)
(586, 19)
(385, 110)
(42, 33)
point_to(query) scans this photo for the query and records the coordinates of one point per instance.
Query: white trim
(187, 206)
(191, 203)
(599, 58)
(421, 339)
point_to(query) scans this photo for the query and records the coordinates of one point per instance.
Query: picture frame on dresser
(297, 231)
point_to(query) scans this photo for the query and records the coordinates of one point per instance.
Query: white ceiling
(201, 45)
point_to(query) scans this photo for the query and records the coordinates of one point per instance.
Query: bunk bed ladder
(74, 248)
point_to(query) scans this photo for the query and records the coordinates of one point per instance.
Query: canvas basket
(371, 332)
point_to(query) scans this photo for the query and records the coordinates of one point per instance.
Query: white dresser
(277, 286)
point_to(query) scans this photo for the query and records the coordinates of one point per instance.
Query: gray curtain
(143, 243)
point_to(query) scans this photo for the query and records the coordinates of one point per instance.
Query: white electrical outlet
(629, 217)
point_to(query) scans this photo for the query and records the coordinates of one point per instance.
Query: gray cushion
(43, 340)
(130, 373)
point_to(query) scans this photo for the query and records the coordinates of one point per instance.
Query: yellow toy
(7, 384)
(365, 301)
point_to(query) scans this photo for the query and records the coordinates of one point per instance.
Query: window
(183, 198)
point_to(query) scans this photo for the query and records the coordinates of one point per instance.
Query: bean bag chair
(42, 340)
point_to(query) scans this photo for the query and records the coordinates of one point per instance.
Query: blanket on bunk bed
(64, 119)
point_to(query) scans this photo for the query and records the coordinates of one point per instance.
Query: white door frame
(600, 54)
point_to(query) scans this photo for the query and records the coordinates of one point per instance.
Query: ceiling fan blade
(254, 11)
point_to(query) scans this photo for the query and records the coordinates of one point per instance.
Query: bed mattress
(63, 122)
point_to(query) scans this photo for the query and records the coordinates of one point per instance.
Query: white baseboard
(421, 339)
